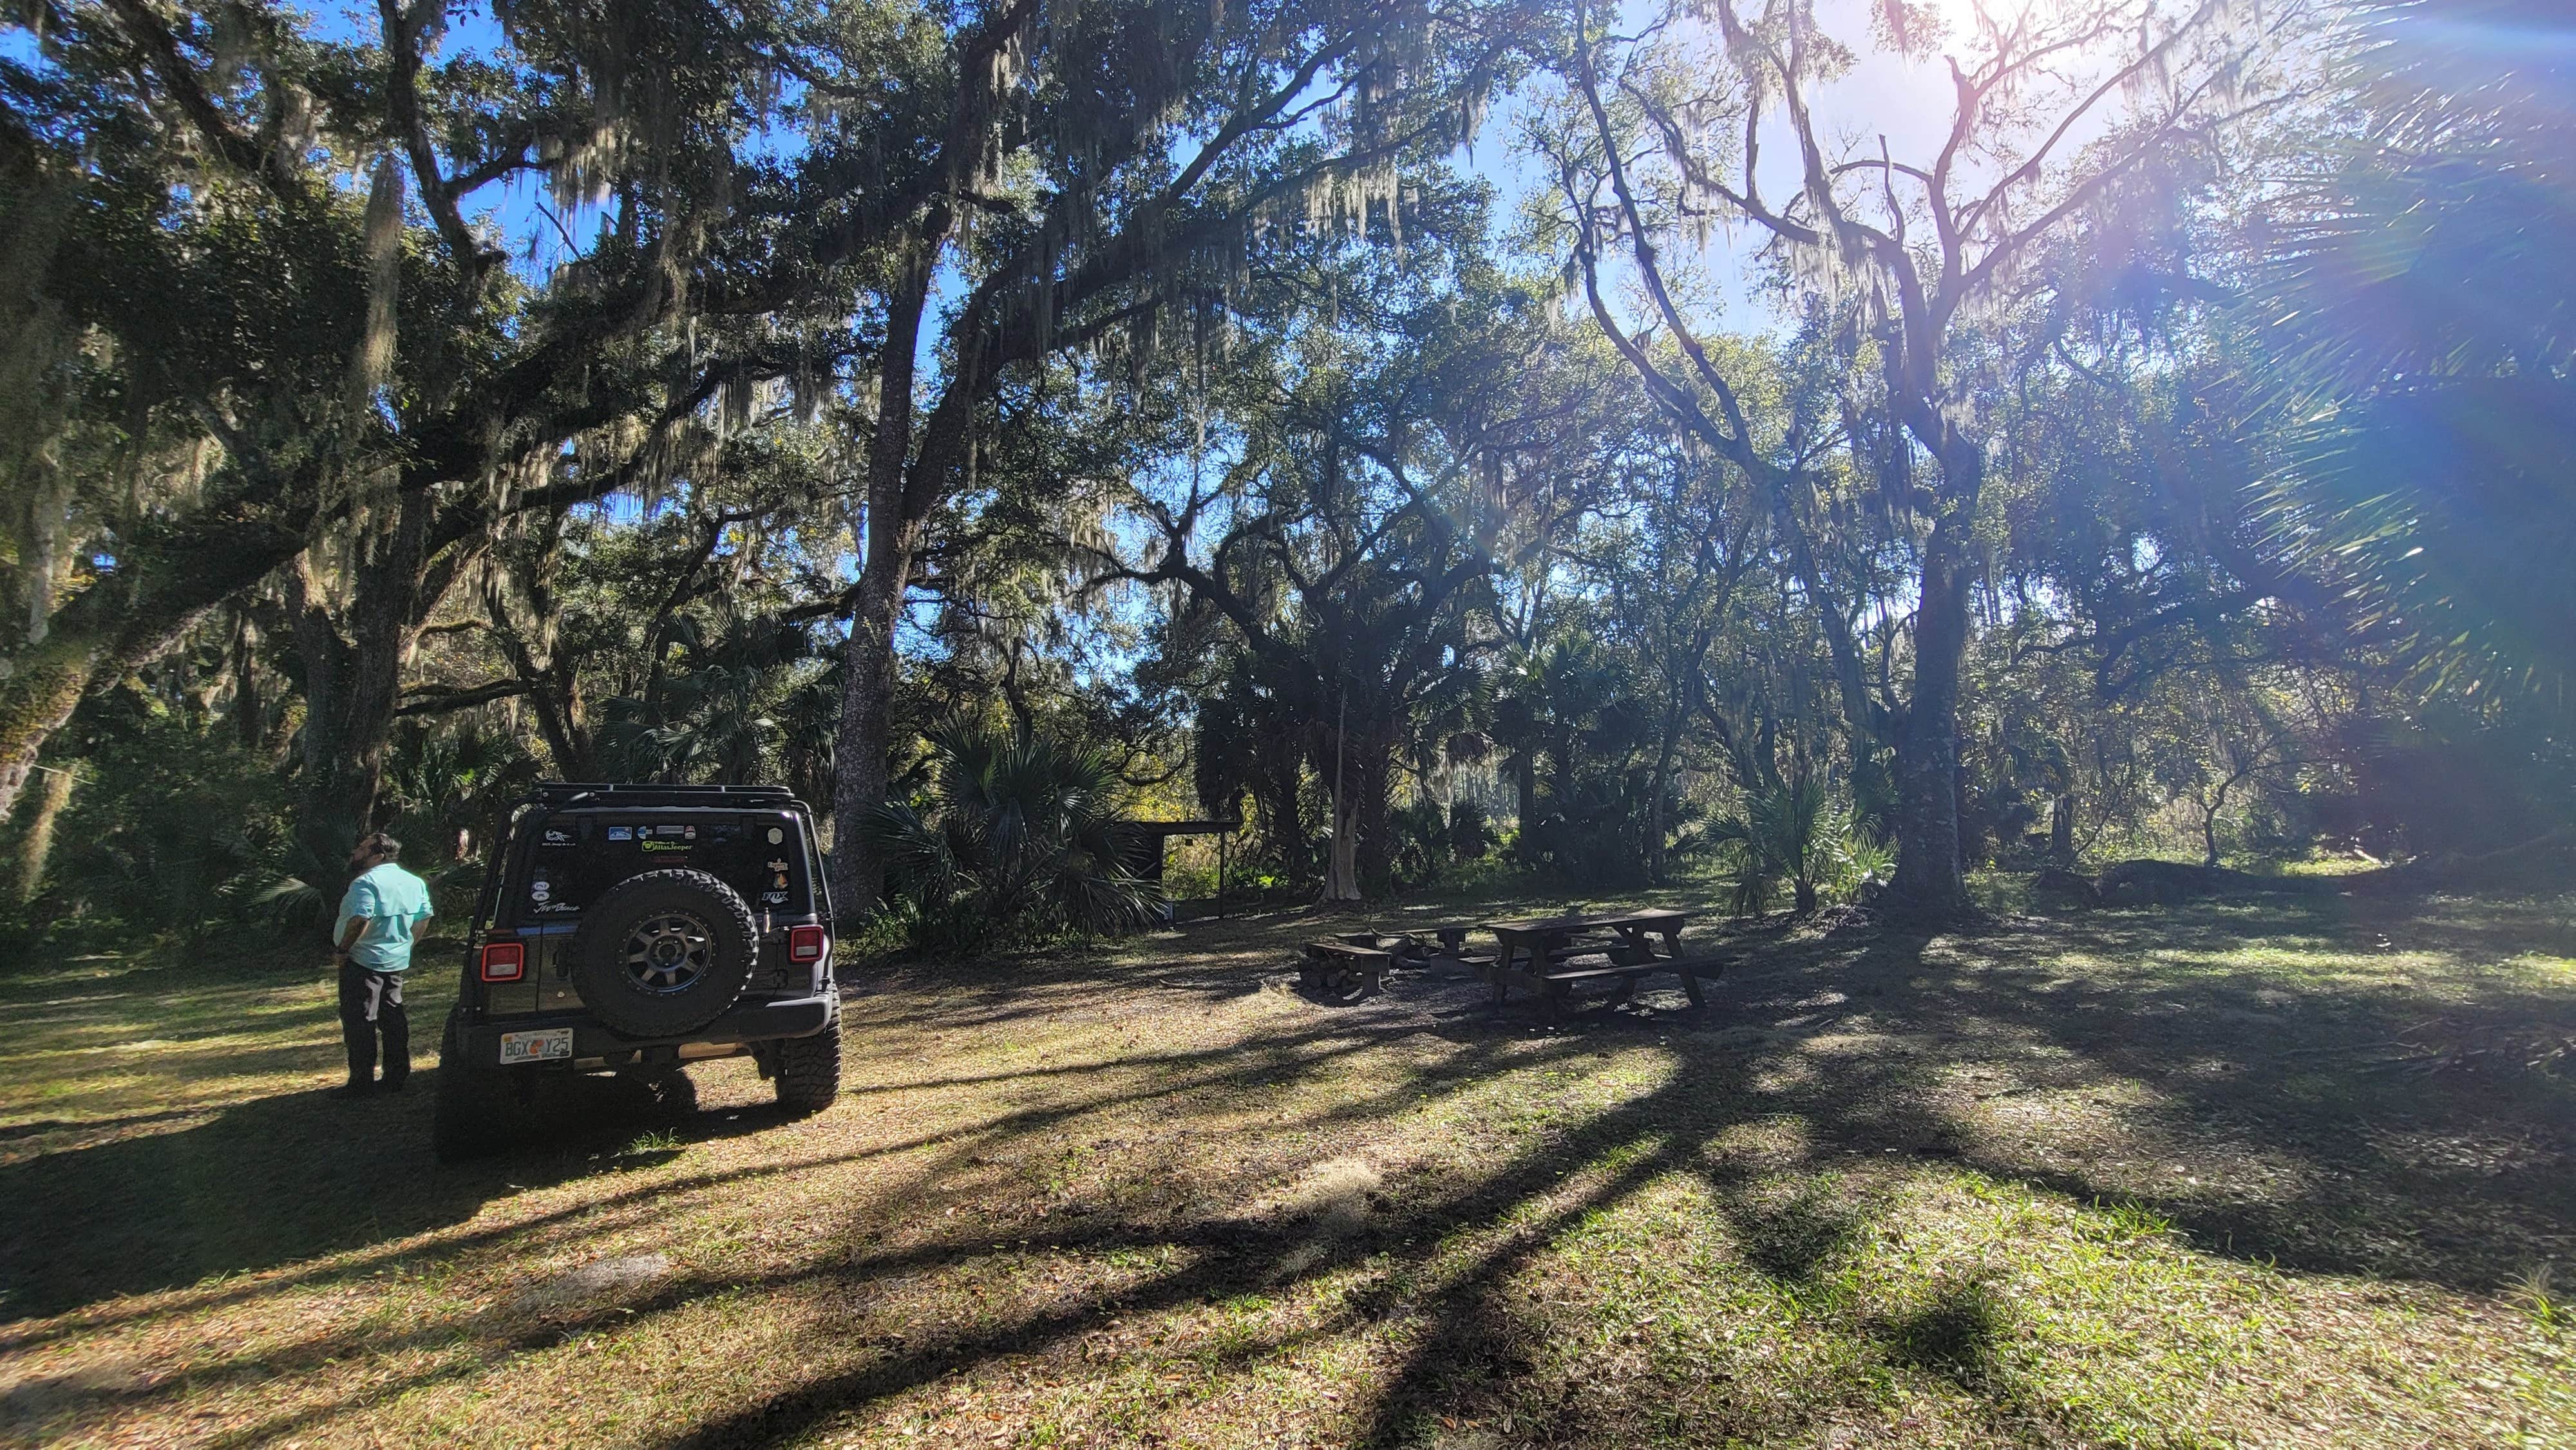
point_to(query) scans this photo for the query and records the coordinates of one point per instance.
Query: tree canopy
(1839, 447)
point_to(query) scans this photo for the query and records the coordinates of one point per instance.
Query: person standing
(372, 948)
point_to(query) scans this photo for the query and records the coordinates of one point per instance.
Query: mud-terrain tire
(664, 953)
(476, 1110)
(809, 1071)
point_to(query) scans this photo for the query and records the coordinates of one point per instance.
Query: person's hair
(380, 844)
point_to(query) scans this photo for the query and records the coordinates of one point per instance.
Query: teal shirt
(393, 901)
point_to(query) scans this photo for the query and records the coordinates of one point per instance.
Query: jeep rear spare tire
(664, 953)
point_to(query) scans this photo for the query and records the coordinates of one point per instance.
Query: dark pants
(371, 1002)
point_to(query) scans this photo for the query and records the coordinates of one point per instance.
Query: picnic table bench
(1344, 970)
(1554, 954)
(1354, 965)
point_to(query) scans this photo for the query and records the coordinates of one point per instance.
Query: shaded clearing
(2120, 1178)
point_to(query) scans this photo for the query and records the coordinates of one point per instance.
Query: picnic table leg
(1690, 984)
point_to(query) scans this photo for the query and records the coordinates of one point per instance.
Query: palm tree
(1795, 829)
(1022, 830)
(716, 718)
(2421, 321)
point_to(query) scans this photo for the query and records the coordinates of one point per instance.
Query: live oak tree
(1086, 176)
(266, 362)
(2057, 110)
(1372, 477)
(399, 407)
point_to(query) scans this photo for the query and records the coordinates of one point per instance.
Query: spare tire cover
(664, 953)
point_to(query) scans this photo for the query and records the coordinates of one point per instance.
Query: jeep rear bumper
(592, 1044)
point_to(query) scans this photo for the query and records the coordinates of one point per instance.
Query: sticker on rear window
(621, 833)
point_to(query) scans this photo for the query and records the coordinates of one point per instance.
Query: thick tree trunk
(36, 847)
(1929, 885)
(555, 700)
(1373, 783)
(1660, 784)
(325, 657)
(1356, 771)
(866, 741)
(1342, 862)
(868, 672)
(355, 687)
(2061, 831)
(1342, 850)
(1361, 863)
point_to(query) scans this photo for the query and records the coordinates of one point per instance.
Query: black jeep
(629, 929)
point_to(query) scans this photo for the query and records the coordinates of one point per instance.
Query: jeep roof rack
(560, 793)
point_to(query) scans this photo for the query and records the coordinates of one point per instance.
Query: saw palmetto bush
(175, 831)
(1800, 834)
(1019, 835)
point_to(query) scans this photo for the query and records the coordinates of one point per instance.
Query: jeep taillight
(806, 943)
(503, 961)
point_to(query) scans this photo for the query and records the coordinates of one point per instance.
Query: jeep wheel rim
(668, 953)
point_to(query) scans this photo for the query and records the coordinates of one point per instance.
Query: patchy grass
(2296, 1173)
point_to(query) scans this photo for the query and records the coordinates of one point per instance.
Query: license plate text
(539, 1046)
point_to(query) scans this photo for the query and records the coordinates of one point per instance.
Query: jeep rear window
(575, 857)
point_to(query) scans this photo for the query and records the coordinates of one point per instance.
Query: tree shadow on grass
(2387, 1167)
(2049, 1022)
(279, 1180)
(1225, 1255)
(2037, 1018)
(1791, 1238)
(1953, 1333)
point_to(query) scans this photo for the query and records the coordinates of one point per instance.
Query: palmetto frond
(2420, 323)
(1025, 827)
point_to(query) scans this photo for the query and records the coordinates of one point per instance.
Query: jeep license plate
(552, 1042)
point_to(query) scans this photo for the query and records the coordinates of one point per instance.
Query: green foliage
(180, 831)
(714, 714)
(2419, 323)
(2537, 1292)
(1020, 835)
(343, 518)
(448, 791)
(1434, 842)
(1801, 834)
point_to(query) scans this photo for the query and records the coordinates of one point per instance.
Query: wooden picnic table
(1545, 954)
(1354, 964)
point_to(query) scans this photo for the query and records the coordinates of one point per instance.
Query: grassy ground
(2277, 1175)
